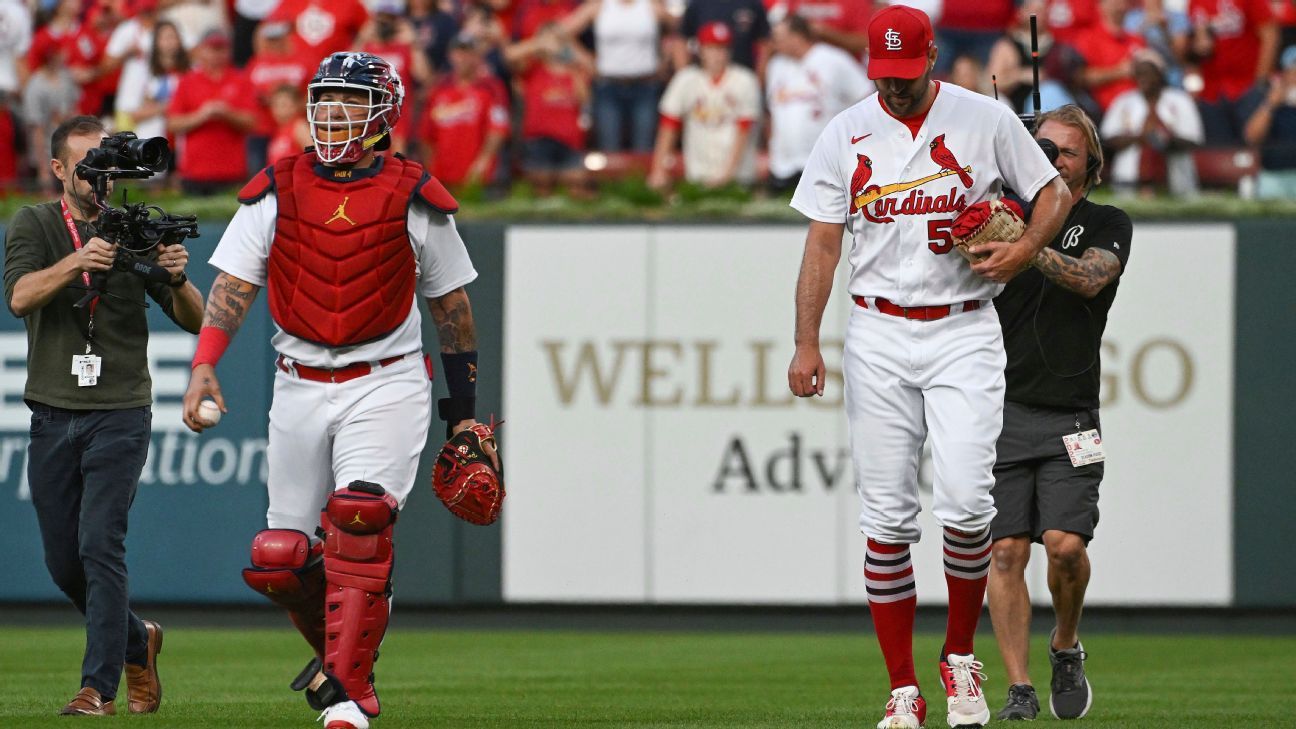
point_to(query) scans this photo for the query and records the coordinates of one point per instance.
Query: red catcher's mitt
(465, 478)
(986, 221)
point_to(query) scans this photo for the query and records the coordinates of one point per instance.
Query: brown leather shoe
(143, 687)
(87, 702)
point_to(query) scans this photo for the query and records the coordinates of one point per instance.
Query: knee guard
(287, 568)
(357, 524)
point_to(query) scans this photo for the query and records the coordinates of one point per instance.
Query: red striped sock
(967, 564)
(893, 599)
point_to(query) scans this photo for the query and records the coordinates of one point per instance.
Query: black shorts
(1036, 487)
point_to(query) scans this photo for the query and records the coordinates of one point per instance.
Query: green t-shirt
(36, 239)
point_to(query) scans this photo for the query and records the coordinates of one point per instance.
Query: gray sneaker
(1023, 704)
(1070, 697)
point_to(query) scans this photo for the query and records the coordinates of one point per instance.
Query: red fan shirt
(458, 118)
(1231, 69)
(213, 151)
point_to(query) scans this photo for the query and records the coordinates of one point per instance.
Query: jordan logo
(340, 214)
(269, 589)
(357, 520)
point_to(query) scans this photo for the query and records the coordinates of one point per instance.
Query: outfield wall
(653, 455)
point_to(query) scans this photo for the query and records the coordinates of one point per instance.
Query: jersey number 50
(942, 240)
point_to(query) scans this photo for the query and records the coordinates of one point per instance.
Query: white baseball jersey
(442, 261)
(711, 111)
(899, 194)
(803, 95)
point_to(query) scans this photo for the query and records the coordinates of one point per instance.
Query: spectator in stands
(494, 30)
(1158, 25)
(807, 83)
(555, 73)
(49, 99)
(1010, 58)
(195, 18)
(842, 23)
(248, 15)
(129, 44)
(15, 42)
(970, 73)
(466, 120)
(321, 27)
(1108, 52)
(1152, 129)
(746, 20)
(86, 54)
(1067, 19)
(627, 57)
(142, 101)
(971, 29)
(291, 132)
(1234, 43)
(1272, 128)
(434, 28)
(1061, 83)
(274, 64)
(531, 15)
(390, 35)
(211, 115)
(715, 105)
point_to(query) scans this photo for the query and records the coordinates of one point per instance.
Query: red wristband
(212, 342)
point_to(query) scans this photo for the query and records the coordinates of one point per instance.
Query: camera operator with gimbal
(90, 393)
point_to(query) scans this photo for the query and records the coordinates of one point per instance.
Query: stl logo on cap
(899, 39)
(714, 34)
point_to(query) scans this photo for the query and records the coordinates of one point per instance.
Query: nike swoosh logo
(856, 140)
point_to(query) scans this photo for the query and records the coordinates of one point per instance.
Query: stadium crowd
(714, 91)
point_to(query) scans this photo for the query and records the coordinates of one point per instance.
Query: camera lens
(151, 153)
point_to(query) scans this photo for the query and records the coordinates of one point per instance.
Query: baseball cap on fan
(899, 38)
(714, 34)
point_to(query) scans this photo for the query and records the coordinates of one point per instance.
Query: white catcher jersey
(898, 195)
(441, 258)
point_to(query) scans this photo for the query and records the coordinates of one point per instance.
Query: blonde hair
(1075, 117)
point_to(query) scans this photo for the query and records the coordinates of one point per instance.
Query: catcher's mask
(352, 103)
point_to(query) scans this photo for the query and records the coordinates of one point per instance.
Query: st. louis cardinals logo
(892, 39)
(917, 202)
(340, 213)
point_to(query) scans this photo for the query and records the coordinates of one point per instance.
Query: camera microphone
(148, 270)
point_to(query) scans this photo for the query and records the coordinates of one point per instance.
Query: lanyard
(85, 275)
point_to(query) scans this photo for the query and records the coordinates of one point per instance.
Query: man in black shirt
(1049, 461)
(89, 390)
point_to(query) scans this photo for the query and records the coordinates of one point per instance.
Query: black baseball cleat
(1023, 704)
(1070, 696)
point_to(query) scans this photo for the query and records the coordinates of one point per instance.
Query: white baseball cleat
(962, 678)
(345, 715)
(906, 710)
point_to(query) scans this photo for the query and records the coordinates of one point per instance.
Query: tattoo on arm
(452, 314)
(228, 303)
(1086, 275)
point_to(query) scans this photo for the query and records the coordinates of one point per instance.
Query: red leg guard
(287, 569)
(358, 522)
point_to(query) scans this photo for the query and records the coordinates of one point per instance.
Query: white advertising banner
(655, 454)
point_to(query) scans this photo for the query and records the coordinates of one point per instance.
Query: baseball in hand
(209, 412)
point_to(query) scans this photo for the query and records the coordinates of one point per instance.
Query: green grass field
(235, 679)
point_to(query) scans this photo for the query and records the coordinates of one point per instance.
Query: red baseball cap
(899, 37)
(715, 34)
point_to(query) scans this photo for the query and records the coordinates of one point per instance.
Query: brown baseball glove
(465, 478)
(986, 221)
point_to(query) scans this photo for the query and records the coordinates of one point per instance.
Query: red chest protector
(342, 270)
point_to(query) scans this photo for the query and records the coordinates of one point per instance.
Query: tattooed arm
(227, 307)
(452, 314)
(1086, 275)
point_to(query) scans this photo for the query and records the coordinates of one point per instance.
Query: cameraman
(90, 431)
(1050, 463)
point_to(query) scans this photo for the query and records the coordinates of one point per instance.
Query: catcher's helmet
(343, 133)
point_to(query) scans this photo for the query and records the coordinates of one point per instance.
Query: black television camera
(137, 228)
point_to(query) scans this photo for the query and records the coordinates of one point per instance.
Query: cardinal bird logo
(945, 158)
(863, 171)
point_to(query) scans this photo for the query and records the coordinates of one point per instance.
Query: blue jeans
(955, 43)
(618, 104)
(84, 466)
